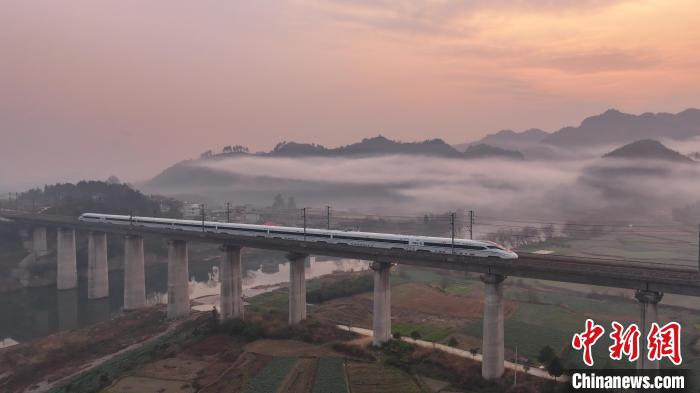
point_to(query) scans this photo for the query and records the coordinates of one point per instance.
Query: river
(36, 312)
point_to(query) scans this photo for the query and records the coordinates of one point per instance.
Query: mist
(631, 190)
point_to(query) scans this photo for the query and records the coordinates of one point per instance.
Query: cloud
(442, 17)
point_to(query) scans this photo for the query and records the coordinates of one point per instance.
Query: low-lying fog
(593, 188)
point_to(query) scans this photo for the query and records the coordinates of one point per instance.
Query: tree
(548, 232)
(415, 335)
(291, 203)
(555, 368)
(546, 355)
(453, 342)
(444, 282)
(239, 149)
(227, 149)
(474, 351)
(113, 180)
(530, 234)
(278, 203)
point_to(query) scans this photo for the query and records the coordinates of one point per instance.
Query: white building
(192, 210)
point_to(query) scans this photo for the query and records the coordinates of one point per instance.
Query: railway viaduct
(648, 281)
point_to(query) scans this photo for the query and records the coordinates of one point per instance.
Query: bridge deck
(610, 273)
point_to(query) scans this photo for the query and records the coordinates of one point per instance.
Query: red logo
(587, 339)
(665, 342)
(625, 342)
(662, 342)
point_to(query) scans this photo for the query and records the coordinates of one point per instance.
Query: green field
(330, 376)
(677, 248)
(270, 378)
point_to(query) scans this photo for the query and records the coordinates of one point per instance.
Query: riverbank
(39, 363)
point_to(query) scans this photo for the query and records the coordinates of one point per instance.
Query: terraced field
(330, 376)
(376, 378)
(271, 377)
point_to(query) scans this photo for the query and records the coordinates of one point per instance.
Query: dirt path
(46, 385)
(536, 372)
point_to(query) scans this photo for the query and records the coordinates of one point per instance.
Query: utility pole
(515, 374)
(304, 213)
(471, 224)
(228, 211)
(452, 223)
(328, 217)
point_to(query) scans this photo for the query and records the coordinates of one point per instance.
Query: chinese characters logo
(661, 342)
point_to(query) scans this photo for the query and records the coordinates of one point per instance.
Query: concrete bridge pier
(297, 287)
(231, 284)
(381, 311)
(648, 301)
(493, 336)
(67, 269)
(134, 273)
(178, 280)
(39, 245)
(98, 279)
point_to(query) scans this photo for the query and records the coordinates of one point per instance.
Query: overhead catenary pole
(471, 224)
(228, 211)
(452, 223)
(304, 213)
(328, 217)
(201, 207)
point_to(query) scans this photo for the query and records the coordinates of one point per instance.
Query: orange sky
(129, 86)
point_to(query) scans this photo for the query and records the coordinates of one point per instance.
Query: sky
(127, 87)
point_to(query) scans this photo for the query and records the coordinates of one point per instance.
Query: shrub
(546, 354)
(234, 326)
(353, 350)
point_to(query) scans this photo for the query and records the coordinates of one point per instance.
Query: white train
(477, 248)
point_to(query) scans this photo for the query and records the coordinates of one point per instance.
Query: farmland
(270, 378)
(330, 376)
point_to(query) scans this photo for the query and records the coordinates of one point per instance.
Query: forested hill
(98, 196)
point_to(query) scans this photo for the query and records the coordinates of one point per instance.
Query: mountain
(614, 126)
(368, 147)
(647, 149)
(483, 150)
(378, 145)
(509, 139)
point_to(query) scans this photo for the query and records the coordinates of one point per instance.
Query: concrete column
(493, 336)
(648, 301)
(134, 274)
(231, 284)
(67, 309)
(98, 279)
(381, 311)
(39, 246)
(178, 280)
(67, 270)
(297, 287)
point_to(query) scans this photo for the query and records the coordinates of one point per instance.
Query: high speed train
(476, 248)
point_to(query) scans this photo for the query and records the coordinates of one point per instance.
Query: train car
(476, 248)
